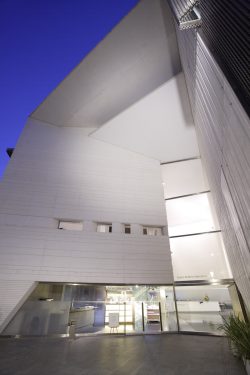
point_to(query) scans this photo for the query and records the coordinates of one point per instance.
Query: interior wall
(192, 293)
(224, 139)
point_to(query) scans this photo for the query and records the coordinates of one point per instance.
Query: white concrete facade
(60, 173)
(74, 165)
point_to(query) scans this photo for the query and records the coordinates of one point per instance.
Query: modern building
(125, 205)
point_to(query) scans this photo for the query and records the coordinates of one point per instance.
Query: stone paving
(166, 354)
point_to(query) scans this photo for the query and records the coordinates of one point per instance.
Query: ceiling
(160, 125)
(136, 57)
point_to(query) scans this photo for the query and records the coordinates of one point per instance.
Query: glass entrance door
(152, 317)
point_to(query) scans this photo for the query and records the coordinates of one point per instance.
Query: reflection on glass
(63, 308)
(168, 313)
(44, 313)
(201, 308)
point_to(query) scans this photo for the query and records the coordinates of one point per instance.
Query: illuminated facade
(120, 188)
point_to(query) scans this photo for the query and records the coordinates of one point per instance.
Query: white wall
(60, 173)
(137, 56)
(159, 126)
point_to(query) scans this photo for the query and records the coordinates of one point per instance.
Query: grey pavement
(116, 355)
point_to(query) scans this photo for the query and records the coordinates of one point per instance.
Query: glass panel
(130, 311)
(78, 308)
(116, 317)
(201, 308)
(159, 309)
(190, 215)
(199, 257)
(152, 318)
(88, 316)
(168, 312)
(44, 313)
(183, 178)
(138, 318)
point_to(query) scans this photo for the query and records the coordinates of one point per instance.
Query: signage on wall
(192, 277)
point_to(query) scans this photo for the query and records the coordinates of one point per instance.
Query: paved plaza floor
(166, 354)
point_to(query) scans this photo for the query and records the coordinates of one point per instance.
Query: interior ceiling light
(186, 13)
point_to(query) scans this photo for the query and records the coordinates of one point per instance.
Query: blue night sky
(41, 41)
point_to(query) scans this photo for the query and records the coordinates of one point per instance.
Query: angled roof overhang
(135, 58)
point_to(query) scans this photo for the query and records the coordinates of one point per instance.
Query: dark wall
(226, 27)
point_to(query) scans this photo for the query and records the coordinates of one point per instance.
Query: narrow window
(127, 228)
(104, 228)
(152, 231)
(70, 225)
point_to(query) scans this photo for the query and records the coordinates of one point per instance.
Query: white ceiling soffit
(138, 55)
(159, 126)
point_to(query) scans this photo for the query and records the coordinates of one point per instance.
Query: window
(152, 231)
(70, 225)
(191, 214)
(104, 228)
(127, 228)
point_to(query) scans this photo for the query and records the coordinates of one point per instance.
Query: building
(127, 196)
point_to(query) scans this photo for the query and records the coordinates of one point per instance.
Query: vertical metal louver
(186, 13)
(226, 26)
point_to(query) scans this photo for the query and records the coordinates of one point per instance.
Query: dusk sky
(41, 41)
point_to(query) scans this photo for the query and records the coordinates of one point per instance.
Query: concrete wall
(59, 173)
(223, 131)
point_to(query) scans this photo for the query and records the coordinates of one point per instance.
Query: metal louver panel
(186, 13)
(226, 25)
(223, 131)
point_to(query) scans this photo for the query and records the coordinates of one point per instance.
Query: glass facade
(197, 302)
(56, 308)
(190, 214)
(199, 257)
(126, 309)
(202, 308)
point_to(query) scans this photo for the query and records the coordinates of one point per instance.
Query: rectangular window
(70, 225)
(127, 228)
(104, 228)
(152, 231)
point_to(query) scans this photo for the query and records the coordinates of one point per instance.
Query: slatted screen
(223, 130)
(226, 26)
